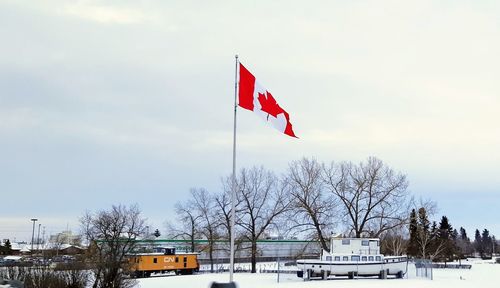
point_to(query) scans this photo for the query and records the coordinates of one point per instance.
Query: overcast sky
(109, 102)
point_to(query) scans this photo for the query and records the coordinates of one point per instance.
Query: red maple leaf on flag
(269, 104)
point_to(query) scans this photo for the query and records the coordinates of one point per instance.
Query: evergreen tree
(157, 233)
(478, 243)
(412, 248)
(445, 238)
(6, 248)
(435, 245)
(493, 245)
(445, 229)
(486, 242)
(434, 231)
(464, 247)
(7, 244)
(424, 237)
(463, 234)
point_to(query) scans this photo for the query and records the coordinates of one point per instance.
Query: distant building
(19, 248)
(267, 250)
(64, 243)
(71, 250)
(65, 237)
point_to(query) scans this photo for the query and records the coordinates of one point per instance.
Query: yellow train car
(163, 260)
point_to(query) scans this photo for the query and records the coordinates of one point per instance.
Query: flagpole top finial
(236, 56)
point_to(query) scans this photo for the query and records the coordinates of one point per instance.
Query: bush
(73, 276)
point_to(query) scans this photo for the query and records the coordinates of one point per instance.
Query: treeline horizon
(312, 200)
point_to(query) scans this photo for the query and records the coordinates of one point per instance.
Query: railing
(451, 266)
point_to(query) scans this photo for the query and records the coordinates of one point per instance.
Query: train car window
(378, 258)
(155, 260)
(363, 258)
(355, 258)
(370, 258)
(337, 258)
(185, 259)
(345, 258)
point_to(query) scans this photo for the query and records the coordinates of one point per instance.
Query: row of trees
(440, 241)
(484, 243)
(311, 199)
(111, 235)
(430, 240)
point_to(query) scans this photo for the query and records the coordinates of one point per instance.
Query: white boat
(353, 257)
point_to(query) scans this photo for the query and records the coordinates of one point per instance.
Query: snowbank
(483, 274)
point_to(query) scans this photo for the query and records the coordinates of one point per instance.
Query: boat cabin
(359, 246)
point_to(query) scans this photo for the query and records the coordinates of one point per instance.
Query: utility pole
(43, 235)
(43, 241)
(38, 238)
(33, 234)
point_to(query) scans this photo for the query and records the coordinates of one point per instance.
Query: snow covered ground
(483, 274)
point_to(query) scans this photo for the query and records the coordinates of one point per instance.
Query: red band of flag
(252, 96)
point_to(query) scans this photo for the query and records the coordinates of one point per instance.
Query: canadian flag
(252, 96)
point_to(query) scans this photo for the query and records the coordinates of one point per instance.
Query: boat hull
(321, 268)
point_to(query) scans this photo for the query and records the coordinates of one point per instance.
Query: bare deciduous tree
(313, 209)
(223, 206)
(394, 241)
(263, 199)
(187, 225)
(58, 243)
(112, 236)
(205, 205)
(373, 197)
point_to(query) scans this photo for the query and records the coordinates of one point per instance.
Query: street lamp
(33, 234)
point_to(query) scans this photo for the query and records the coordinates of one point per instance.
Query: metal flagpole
(233, 177)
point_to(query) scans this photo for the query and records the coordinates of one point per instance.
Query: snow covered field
(482, 274)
